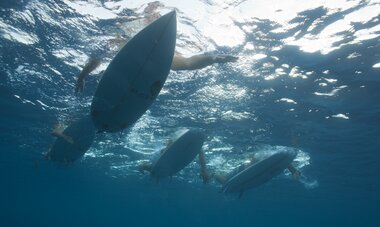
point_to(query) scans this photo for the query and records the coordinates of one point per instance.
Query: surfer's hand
(296, 175)
(144, 167)
(79, 86)
(205, 177)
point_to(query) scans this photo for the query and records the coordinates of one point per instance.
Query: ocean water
(307, 79)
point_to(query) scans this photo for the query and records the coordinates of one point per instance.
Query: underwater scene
(190, 113)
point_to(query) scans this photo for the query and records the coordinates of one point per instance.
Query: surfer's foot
(205, 177)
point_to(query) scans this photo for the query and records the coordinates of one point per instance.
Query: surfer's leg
(90, 66)
(202, 162)
(58, 132)
(199, 61)
(222, 179)
(67, 138)
(145, 167)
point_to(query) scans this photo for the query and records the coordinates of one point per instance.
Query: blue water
(307, 78)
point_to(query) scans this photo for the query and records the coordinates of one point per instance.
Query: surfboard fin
(241, 194)
(48, 155)
(36, 164)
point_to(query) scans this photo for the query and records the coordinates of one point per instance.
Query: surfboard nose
(172, 15)
(170, 18)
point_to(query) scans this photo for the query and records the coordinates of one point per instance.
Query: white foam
(377, 65)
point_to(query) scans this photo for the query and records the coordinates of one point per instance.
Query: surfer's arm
(200, 61)
(295, 173)
(202, 162)
(90, 66)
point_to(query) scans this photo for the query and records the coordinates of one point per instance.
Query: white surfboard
(135, 76)
(182, 151)
(259, 172)
(82, 133)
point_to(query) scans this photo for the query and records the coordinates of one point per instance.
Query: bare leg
(90, 66)
(222, 179)
(145, 167)
(199, 61)
(58, 132)
(202, 162)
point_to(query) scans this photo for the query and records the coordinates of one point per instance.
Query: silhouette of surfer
(149, 166)
(179, 62)
(223, 178)
(72, 141)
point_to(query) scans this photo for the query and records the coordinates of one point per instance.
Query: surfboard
(184, 148)
(259, 173)
(82, 133)
(135, 76)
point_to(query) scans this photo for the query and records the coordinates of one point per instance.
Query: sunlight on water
(17, 35)
(287, 100)
(326, 39)
(93, 9)
(331, 93)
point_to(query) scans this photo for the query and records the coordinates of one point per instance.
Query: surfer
(148, 166)
(223, 178)
(179, 63)
(72, 141)
(170, 160)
